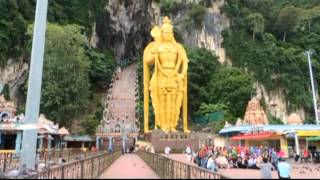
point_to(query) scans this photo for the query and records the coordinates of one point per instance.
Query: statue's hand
(181, 76)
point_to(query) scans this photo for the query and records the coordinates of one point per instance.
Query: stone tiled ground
(129, 166)
(299, 171)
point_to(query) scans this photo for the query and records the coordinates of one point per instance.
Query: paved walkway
(299, 171)
(129, 166)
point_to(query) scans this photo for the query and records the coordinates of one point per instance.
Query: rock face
(276, 103)
(125, 27)
(209, 36)
(255, 114)
(14, 75)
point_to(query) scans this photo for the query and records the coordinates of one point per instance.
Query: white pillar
(98, 143)
(296, 138)
(29, 141)
(313, 88)
(18, 142)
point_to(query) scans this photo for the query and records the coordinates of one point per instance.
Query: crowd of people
(264, 158)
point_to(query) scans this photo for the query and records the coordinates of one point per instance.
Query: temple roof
(44, 126)
(78, 138)
(294, 119)
(255, 114)
(276, 128)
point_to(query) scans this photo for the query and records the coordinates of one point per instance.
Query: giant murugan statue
(168, 84)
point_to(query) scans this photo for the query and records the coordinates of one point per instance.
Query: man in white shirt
(211, 165)
(283, 169)
(167, 150)
(189, 153)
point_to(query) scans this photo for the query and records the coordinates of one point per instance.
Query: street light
(309, 53)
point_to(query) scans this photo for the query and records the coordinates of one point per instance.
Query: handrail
(171, 169)
(87, 168)
(10, 162)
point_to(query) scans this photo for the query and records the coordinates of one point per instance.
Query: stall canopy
(308, 133)
(314, 138)
(253, 136)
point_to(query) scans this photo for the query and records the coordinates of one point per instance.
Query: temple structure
(255, 114)
(12, 126)
(294, 119)
(7, 109)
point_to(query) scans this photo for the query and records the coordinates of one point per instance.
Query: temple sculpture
(255, 114)
(166, 82)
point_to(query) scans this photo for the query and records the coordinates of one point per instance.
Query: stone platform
(177, 141)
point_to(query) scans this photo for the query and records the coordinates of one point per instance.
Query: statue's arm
(185, 60)
(148, 56)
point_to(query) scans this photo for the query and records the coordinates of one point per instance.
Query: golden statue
(168, 84)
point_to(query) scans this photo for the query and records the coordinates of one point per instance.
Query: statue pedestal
(177, 141)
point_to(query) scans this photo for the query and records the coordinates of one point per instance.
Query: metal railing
(87, 168)
(171, 169)
(12, 161)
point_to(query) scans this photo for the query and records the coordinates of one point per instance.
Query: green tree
(66, 88)
(6, 92)
(201, 66)
(206, 109)
(287, 20)
(256, 23)
(232, 87)
(196, 14)
(102, 68)
(12, 32)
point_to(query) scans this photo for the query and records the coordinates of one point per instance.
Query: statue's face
(167, 34)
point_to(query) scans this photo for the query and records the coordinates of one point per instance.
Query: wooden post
(62, 173)
(189, 172)
(92, 168)
(82, 169)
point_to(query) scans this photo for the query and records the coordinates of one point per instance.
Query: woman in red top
(305, 155)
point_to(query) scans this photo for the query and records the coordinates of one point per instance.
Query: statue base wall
(177, 141)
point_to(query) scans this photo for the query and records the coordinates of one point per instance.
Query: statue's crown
(166, 20)
(167, 24)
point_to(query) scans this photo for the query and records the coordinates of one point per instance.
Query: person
(189, 153)
(274, 158)
(283, 169)
(265, 169)
(93, 149)
(211, 164)
(110, 149)
(61, 160)
(197, 160)
(167, 150)
(305, 155)
(252, 162)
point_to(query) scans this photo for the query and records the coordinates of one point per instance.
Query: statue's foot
(173, 130)
(186, 131)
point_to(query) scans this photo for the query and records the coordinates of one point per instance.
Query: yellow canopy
(308, 133)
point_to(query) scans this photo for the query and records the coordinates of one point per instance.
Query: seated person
(211, 165)
(306, 155)
(222, 162)
(241, 163)
(252, 162)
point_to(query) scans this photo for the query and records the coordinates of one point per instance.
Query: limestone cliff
(126, 25)
(14, 75)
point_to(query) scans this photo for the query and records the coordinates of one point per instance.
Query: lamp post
(29, 141)
(309, 53)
